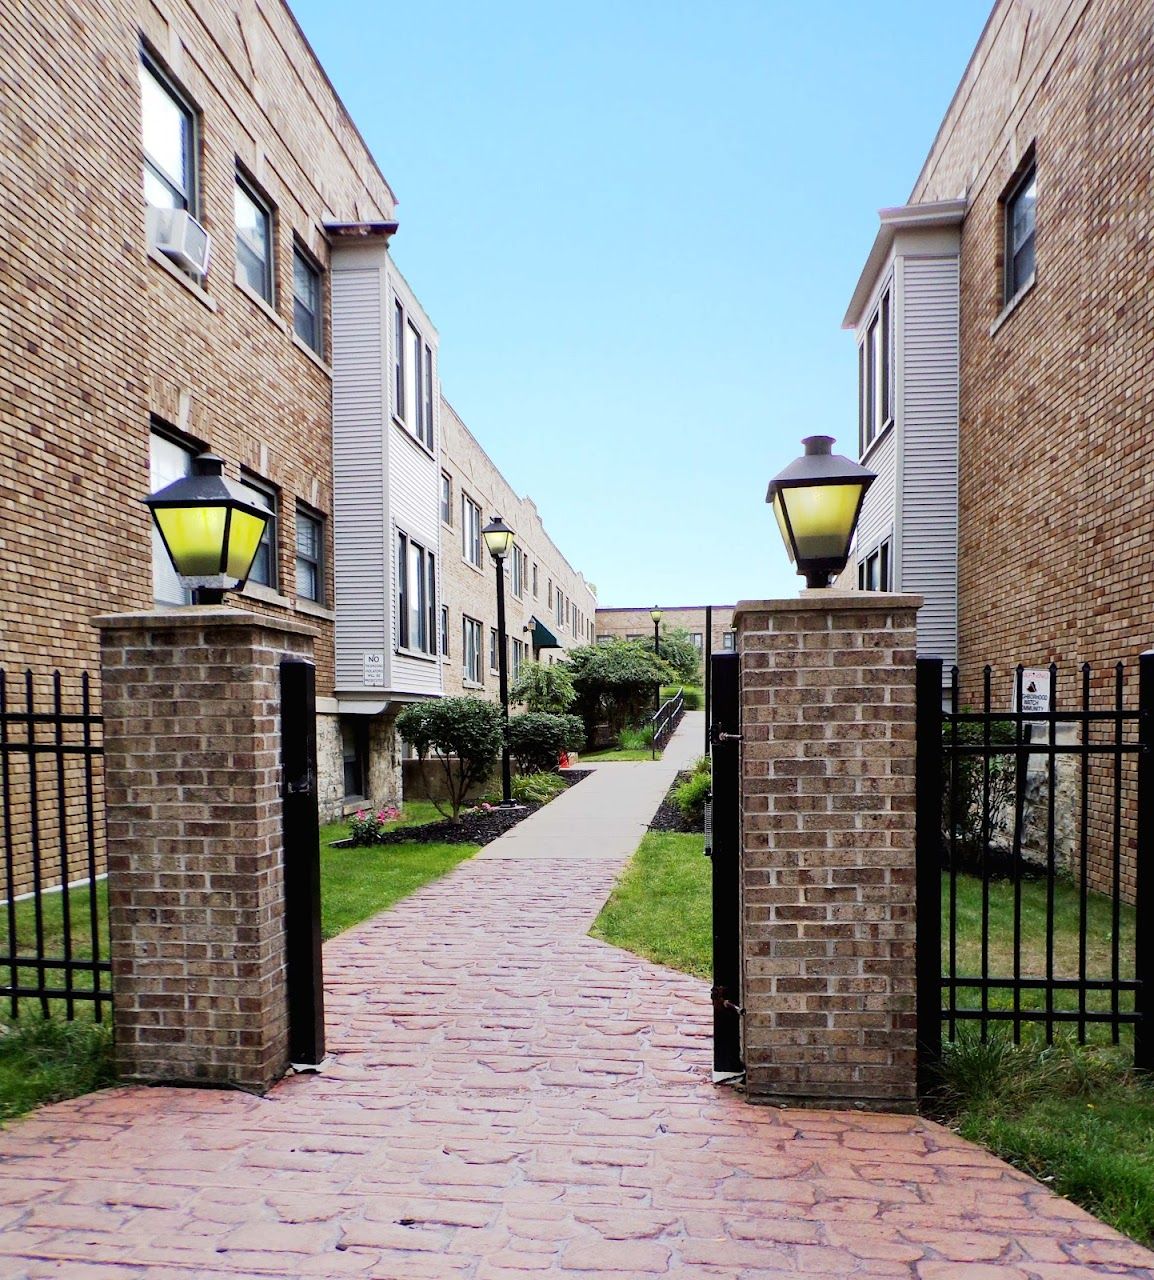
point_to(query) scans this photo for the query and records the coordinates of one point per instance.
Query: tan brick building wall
(1057, 392)
(469, 591)
(623, 623)
(102, 340)
(827, 848)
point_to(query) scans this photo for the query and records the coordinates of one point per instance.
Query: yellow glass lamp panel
(782, 527)
(822, 517)
(244, 535)
(194, 537)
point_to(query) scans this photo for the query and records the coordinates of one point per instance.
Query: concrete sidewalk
(605, 816)
(510, 1099)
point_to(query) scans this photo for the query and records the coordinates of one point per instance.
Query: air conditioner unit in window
(178, 235)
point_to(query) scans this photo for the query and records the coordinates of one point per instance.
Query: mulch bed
(668, 816)
(480, 827)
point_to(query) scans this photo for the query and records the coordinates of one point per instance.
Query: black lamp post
(655, 614)
(817, 500)
(210, 529)
(499, 538)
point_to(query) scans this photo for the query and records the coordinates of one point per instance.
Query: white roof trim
(907, 217)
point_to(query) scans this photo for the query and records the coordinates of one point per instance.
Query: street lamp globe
(210, 529)
(498, 538)
(817, 500)
(655, 614)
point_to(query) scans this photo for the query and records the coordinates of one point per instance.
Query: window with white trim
(444, 631)
(727, 639)
(446, 499)
(875, 374)
(493, 649)
(310, 543)
(471, 648)
(517, 572)
(518, 657)
(412, 377)
(416, 596)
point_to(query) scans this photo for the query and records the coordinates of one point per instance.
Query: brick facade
(623, 623)
(827, 839)
(470, 591)
(1057, 391)
(106, 342)
(194, 820)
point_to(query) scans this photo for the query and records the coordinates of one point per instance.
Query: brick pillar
(191, 705)
(827, 826)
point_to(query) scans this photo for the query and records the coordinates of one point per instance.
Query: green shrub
(544, 688)
(465, 734)
(702, 765)
(689, 797)
(616, 683)
(694, 698)
(537, 788)
(677, 648)
(537, 741)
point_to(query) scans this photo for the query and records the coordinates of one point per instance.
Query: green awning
(543, 638)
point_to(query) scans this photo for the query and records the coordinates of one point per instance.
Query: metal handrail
(665, 720)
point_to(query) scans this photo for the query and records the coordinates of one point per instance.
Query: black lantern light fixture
(817, 500)
(656, 615)
(210, 529)
(499, 540)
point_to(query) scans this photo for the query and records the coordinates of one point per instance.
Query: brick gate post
(191, 704)
(827, 832)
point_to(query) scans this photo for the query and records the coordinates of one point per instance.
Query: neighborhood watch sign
(1035, 688)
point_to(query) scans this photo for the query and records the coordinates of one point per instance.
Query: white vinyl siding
(928, 547)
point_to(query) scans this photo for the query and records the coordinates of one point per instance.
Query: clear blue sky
(637, 225)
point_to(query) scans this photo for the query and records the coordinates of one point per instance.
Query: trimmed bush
(537, 740)
(547, 689)
(694, 698)
(465, 734)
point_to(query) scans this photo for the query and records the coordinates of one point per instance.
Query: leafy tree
(465, 734)
(537, 740)
(544, 688)
(616, 683)
(678, 649)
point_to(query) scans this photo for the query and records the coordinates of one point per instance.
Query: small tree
(537, 740)
(463, 732)
(616, 683)
(544, 688)
(678, 649)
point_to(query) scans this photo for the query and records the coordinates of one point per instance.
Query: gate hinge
(722, 1001)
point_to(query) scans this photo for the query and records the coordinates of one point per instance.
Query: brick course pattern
(195, 868)
(567, 1129)
(827, 830)
(1057, 392)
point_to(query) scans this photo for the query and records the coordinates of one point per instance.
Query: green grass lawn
(661, 906)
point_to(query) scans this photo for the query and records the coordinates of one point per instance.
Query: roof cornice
(931, 216)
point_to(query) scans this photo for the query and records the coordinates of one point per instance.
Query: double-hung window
(444, 631)
(169, 130)
(416, 596)
(873, 572)
(254, 253)
(1020, 202)
(534, 580)
(875, 375)
(471, 648)
(446, 499)
(308, 306)
(310, 543)
(264, 567)
(493, 649)
(517, 572)
(412, 377)
(470, 530)
(518, 657)
(168, 461)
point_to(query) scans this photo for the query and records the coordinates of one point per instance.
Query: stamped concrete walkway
(509, 1098)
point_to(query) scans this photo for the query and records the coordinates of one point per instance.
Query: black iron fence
(1034, 861)
(53, 942)
(666, 719)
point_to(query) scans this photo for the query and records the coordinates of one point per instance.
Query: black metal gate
(1035, 868)
(723, 844)
(54, 940)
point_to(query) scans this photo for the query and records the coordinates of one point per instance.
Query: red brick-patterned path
(510, 1098)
